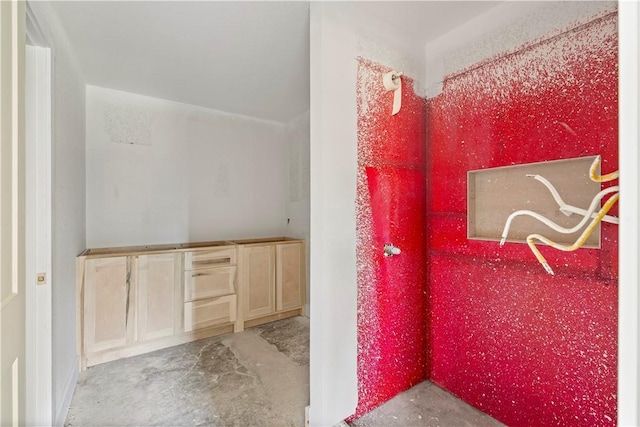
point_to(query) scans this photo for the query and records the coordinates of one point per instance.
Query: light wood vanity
(132, 300)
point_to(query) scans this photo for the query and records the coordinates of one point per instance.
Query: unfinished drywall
(164, 172)
(506, 336)
(68, 204)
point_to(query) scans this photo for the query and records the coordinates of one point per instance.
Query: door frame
(38, 234)
(629, 212)
(38, 227)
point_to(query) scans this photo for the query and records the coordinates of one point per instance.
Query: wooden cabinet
(138, 299)
(272, 280)
(133, 300)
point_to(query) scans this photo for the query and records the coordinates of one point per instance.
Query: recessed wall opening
(494, 194)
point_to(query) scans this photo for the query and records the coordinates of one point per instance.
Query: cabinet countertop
(180, 247)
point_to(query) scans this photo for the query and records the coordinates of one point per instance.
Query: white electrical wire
(587, 215)
(566, 208)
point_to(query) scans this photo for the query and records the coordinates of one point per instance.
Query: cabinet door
(159, 295)
(108, 298)
(258, 272)
(290, 276)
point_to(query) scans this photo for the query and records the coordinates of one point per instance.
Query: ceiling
(243, 57)
(427, 20)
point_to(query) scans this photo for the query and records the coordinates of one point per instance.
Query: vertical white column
(629, 235)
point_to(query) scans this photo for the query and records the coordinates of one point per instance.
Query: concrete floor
(259, 377)
(425, 405)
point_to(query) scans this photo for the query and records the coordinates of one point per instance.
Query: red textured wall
(523, 346)
(392, 332)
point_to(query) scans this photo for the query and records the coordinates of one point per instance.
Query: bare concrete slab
(240, 379)
(259, 377)
(425, 405)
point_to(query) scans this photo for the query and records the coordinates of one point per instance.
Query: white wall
(340, 32)
(68, 200)
(164, 172)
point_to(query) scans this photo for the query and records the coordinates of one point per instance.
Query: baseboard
(64, 402)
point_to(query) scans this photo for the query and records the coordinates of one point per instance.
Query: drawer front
(209, 283)
(210, 258)
(209, 312)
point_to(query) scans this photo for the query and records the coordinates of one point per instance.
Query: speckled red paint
(523, 346)
(392, 334)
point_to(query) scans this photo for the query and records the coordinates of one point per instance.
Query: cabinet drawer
(210, 258)
(209, 312)
(209, 283)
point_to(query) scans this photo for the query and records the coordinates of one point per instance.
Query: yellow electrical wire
(601, 178)
(594, 176)
(583, 237)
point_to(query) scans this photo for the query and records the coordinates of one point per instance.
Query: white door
(12, 257)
